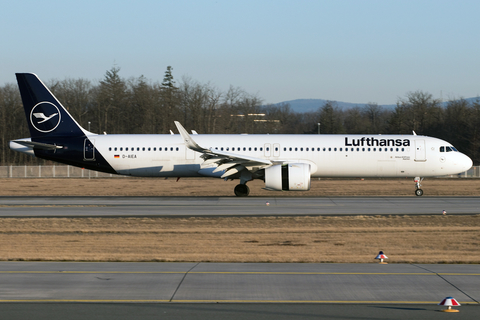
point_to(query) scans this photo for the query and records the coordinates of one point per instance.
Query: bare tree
(111, 99)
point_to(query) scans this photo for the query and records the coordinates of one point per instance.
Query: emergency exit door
(420, 150)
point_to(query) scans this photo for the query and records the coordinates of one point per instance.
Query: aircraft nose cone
(466, 163)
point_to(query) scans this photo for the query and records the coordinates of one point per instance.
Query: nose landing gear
(418, 191)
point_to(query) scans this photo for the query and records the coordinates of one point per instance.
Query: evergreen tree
(169, 101)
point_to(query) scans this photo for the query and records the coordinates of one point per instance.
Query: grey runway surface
(222, 206)
(236, 311)
(237, 282)
(52, 290)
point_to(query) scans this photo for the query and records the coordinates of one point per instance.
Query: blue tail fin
(46, 117)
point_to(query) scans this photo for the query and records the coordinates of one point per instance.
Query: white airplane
(284, 162)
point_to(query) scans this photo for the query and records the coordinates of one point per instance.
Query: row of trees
(137, 105)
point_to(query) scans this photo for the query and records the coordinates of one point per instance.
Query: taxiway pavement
(55, 282)
(222, 206)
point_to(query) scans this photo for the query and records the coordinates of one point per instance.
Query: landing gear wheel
(241, 190)
(418, 191)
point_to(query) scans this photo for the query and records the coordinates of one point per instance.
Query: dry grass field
(405, 239)
(193, 187)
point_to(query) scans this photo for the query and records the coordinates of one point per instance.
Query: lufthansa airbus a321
(282, 161)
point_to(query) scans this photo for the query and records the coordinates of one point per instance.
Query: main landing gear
(241, 190)
(418, 191)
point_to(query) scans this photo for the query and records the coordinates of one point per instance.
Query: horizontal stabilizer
(37, 145)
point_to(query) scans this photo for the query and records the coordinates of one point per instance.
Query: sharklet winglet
(187, 139)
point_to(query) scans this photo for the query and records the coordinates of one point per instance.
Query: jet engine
(290, 177)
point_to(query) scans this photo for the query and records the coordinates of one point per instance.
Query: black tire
(241, 190)
(419, 192)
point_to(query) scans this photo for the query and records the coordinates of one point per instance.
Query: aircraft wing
(230, 162)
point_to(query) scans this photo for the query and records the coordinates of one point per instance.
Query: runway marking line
(222, 301)
(241, 272)
(53, 206)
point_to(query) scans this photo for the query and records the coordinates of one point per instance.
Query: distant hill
(309, 105)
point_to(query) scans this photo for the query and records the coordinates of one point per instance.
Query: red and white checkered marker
(449, 302)
(381, 256)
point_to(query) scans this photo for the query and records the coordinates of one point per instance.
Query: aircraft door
(88, 150)
(267, 150)
(420, 150)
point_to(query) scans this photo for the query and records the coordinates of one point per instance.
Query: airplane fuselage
(328, 155)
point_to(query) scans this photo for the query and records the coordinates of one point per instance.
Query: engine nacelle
(290, 177)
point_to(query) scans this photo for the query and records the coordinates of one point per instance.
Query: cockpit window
(448, 149)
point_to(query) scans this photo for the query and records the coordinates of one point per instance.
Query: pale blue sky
(352, 51)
